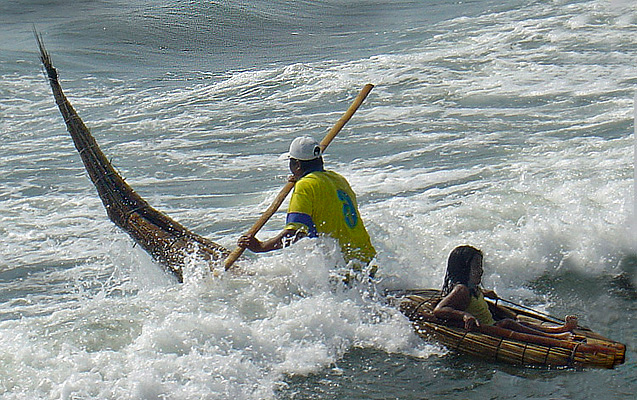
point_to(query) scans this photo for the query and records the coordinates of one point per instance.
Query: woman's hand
(490, 294)
(470, 322)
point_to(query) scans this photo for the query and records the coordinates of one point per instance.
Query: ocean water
(508, 125)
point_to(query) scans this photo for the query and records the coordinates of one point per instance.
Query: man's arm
(286, 236)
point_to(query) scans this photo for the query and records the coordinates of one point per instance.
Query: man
(322, 203)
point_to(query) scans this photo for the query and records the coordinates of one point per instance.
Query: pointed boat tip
(45, 57)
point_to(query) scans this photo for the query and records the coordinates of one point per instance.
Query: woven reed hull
(167, 241)
(589, 349)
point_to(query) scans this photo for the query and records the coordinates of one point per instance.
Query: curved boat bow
(167, 241)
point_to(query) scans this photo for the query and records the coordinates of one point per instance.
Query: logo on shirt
(349, 211)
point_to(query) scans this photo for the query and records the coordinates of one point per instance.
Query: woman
(463, 299)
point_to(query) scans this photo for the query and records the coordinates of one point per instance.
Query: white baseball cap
(305, 148)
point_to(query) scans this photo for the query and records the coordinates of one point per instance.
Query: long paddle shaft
(236, 253)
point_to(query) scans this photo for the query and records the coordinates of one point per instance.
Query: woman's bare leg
(534, 329)
(569, 325)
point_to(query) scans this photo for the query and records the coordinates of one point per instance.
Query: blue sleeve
(295, 218)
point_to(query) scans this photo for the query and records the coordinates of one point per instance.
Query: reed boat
(167, 241)
(586, 349)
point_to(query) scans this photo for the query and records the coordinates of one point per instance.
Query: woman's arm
(453, 306)
(489, 293)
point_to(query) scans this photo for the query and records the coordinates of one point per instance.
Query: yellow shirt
(479, 308)
(324, 203)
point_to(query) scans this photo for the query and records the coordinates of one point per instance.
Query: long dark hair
(459, 268)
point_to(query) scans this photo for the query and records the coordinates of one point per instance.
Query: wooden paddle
(236, 253)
